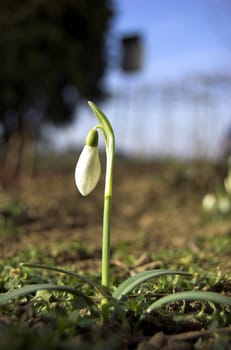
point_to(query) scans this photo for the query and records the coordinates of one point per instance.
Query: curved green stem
(109, 139)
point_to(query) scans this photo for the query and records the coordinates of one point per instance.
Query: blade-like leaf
(190, 296)
(103, 292)
(70, 273)
(100, 289)
(32, 288)
(132, 282)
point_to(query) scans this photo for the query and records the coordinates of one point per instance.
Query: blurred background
(159, 69)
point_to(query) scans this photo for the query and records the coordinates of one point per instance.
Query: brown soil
(156, 205)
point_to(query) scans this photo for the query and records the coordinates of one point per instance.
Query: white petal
(88, 169)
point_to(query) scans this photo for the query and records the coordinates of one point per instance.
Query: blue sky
(180, 36)
(181, 39)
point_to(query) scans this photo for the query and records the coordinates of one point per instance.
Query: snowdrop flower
(209, 202)
(227, 183)
(224, 205)
(88, 169)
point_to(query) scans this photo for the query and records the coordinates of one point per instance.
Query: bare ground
(156, 205)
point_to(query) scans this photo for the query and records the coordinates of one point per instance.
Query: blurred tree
(51, 54)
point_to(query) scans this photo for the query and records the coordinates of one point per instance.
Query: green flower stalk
(87, 174)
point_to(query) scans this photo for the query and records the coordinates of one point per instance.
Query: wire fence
(188, 119)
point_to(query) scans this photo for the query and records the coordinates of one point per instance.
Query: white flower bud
(88, 169)
(209, 202)
(224, 205)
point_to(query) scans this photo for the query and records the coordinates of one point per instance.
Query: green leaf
(70, 273)
(32, 288)
(132, 282)
(190, 296)
(100, 289)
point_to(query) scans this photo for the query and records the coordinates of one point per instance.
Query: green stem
(110, 153)
(107, 219)
(109, 139)
(107, 229)
(106, 241)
